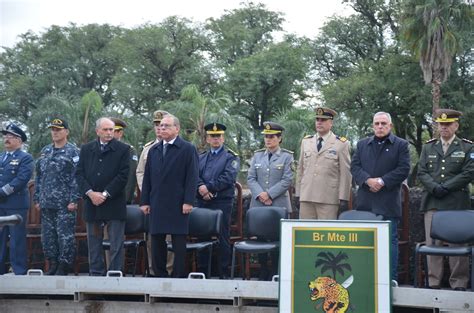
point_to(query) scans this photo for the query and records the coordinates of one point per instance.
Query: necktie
(269, 156)
(5, 158)
(165, 148)
(102, 146)
(445, 147)
(320, 143)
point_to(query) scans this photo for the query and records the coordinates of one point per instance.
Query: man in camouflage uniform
(119, 129)
(446, 168)
(56, 195)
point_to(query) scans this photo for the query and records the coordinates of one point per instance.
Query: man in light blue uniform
(57, 195)
(15, 172)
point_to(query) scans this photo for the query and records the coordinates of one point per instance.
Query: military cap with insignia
(14, 130)
(325, 113)
(58, 123)
(158, 115)
(119, 123)
(447, 115)
(215, 129)
(271, 128)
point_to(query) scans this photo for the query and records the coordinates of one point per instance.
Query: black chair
(204, 225)
(453, 227)
(135, 224)
(359, 215)
(262, 230)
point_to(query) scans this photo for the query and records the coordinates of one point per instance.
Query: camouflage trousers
(57, 234)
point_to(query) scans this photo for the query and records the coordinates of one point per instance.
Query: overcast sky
(303, 17)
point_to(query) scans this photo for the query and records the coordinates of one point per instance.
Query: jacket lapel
(326, 144)
(438, 146)
(453, 146)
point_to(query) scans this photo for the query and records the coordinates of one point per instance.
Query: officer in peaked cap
(324, 180)
(16, 168)
(56, 196)
(269, 177)
(218, 168)
(119, 130)
(446, 168)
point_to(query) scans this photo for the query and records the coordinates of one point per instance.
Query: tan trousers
(459, 265)
(318, 211)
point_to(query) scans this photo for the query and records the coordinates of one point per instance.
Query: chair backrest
(205, 222)
(453, 226)
(135, 222)
(264, 222)
(359, 215)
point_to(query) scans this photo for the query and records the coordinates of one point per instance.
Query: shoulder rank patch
(343, 139)
(75, 159)
(431, 140)
(308, 136)
(260, 150)
(135, 158)
(232, 152)
(466, 140)
(286, 150)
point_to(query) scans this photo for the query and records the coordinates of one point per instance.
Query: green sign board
(334, 266)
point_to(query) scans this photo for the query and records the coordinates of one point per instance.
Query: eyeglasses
(166, 125)
(10, 136)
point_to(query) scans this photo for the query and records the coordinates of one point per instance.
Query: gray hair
(175, 119)
(100, 120)
(384, 113)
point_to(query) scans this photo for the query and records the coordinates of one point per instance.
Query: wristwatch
(105, 194)
(380, 181)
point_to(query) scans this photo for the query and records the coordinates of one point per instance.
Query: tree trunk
(436, 94)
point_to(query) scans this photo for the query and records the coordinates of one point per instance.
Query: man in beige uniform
(157, 117)
(323, 180)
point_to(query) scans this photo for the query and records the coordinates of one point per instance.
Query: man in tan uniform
(323, 180)
(157, 117)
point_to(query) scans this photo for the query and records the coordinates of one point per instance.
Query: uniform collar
(447, 142)
(325, 137)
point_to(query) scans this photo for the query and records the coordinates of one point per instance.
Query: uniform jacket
(218, 172)
(174, 186)
(104, 171)
(324, 176)
(274, 176)
(55, 182)
(15, 173)
(453, 170)
(142, 162)
(392, 163)
(132, 176)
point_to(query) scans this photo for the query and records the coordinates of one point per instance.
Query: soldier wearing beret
(269, 177)
(323, 182)
(218, 168)
(119, 130)
(446, 168)
(16, 169)
(56, 195)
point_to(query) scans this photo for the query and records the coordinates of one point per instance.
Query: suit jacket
(169, 183)
(324, 176)
(453, 170)
(391, 161)
(273, 176)
(104, 171)
(15, 173)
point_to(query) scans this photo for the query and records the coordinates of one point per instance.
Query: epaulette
(232, 152)
(204, 152)
(260, 150)
(149, 143)
(286, 150)
(431, 140)
(308, 136)
(466, 140)
(343, 139)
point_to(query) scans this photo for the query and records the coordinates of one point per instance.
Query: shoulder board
(149, 143)
(286, 150)
(343, 139)
(204, 152)
(308, 136)
(466, 140)
(232, 152)
(431, 140)
(260, 150)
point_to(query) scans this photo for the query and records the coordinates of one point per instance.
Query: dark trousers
(17, 234)
(224, 249)
(393, 246)
(159, 252)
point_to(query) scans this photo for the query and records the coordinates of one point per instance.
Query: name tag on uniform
(279, 166)
(458, 154)
(332, 151)
(432, 156)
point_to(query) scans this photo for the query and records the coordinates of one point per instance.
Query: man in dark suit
(16, 168)
(218, 168)
(446, 168)
(102, 176)
(169, 196)
(379, 166)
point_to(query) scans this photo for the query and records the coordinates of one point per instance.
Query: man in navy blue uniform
(15, 172)
(379, 166)
(218, 168)
(168, 193)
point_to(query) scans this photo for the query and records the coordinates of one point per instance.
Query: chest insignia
(14, 162)
(458, 154)
(332, 151)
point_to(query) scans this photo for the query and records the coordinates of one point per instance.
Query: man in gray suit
(269, 177)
